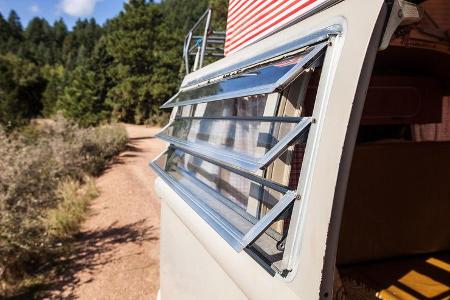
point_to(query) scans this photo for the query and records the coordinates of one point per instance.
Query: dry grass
(65, 219)
(45, 189)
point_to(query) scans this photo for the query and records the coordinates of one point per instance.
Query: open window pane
(263, 79)
(229, 202)
(234, 159)
(248, 144)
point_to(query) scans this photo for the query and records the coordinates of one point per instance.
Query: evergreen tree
(5, 33)
(79, 100)
(84, 34)
(132, 43)
(220, 13)
(82, 56)
(100, 64)
(126, 68)
(38, 31)
(54, 89)
(60, 33)
(15, 25)
(180, 16)
(38, 38)
(21, 88)
(11, 33)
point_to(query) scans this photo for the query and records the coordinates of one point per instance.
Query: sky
(69, 10)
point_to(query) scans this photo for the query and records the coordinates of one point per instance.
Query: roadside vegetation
(46, 185)
(76, 81)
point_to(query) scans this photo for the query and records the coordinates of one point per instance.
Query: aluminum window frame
(239, 160)
(227, 231)
(307, 61)
(290, 198)
(315, 37)
(291, 255)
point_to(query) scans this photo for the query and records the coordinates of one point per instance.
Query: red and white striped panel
(249, 20)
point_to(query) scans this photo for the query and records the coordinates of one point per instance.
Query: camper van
(312, 161)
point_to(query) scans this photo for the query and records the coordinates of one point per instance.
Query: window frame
(298, 205)
(239, 160)
(276, 86)
(227, 231)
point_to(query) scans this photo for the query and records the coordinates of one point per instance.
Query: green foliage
(123, 70)
(4, 33)
(21, 88)
(80, 98)
(220, 9)
(142, 57)
(85, 34)
(180, 16)
(54, 89)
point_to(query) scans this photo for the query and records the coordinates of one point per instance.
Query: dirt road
(118, 248)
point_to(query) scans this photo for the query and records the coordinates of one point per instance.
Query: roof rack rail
(199, 45)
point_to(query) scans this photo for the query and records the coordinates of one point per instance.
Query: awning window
(231, 145)
(265, 78)
(221, 139)
(221, 196)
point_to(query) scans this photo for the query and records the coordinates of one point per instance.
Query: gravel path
(118, 248)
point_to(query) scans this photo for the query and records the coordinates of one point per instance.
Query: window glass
(233, 202)
(251, 106)
(233, 187)
(261, 79)
(215, 145)
(249, 137)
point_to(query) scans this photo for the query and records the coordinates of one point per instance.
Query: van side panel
(182, 278)
(196, 263)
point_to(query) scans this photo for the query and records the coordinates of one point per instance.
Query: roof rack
(199, 45)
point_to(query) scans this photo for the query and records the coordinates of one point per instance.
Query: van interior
(395, 233)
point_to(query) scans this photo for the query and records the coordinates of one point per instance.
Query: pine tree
(53, 91)
(132, 42)
(79, 100)
(126, 68)
(82, 56)
(100, 64)
(60, 33)
(11, 33)
(15, 25)
(84, 34)
(5, 34)
(21, 88)
(38, 31)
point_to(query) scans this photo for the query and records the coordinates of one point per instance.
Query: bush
(44, 188)
(65, 219)
(159, 119)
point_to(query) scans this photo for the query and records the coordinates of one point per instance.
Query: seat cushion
(397, 203)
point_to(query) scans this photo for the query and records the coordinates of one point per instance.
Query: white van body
(196, 262)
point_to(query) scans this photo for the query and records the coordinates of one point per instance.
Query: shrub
(159, 119)
(44, 187)
(65, 219)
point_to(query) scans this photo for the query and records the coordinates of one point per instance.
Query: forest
(121, 70)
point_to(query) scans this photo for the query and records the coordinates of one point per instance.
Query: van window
(230, 159)
(245, 143)
(253, 80)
